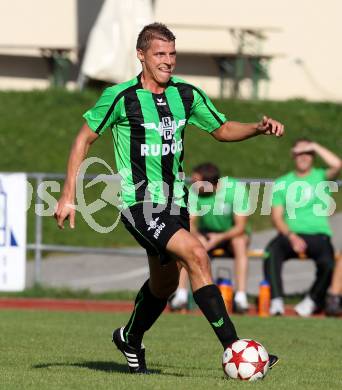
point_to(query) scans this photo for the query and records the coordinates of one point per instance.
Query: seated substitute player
(216, 221)
(302, 230)
(147, 117)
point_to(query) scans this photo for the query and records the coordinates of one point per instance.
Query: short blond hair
(154, 31)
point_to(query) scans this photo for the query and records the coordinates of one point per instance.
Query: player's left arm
(236, 131)
(204, 115)
(331, 159)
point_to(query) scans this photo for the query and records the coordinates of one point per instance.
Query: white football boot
(306, 307)
(180, 300)
(240, 302)
(277, 307)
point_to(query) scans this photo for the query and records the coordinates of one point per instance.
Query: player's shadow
(92, 365)
(177, 367)
(109, 367)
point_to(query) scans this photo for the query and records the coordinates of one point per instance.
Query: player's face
(203, 188)
(303, 161)
(158, 61)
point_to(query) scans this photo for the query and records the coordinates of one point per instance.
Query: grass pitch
(65, 350)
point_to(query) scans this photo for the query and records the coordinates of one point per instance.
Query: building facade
(265, 49)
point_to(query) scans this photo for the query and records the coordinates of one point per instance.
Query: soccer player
(147, 117)
(218, 219)
(298, 199)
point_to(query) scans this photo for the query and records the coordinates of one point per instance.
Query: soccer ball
(245, 359)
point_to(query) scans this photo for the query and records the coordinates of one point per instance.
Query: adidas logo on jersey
(161, 149)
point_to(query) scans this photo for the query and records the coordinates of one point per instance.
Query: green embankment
(37, 129)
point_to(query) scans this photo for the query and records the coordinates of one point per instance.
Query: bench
(253, 254)
(260, 253)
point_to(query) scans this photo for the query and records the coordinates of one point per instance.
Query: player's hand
(269, 126)
(297, 243)
(65, 210)
(213, 240)
(308, 147)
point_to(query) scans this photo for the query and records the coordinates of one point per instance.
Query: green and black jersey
(148, 135)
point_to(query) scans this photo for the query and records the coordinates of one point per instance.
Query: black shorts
(153, 228)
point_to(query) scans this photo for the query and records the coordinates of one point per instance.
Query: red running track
(94, 306)
(65, 304)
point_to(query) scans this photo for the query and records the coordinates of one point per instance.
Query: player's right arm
(297, 243)
(65, 207)
(102, 116)
(194, 230)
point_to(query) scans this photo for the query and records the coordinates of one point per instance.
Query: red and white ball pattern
(245, 359)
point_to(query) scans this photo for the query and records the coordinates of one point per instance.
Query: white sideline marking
(111, 278)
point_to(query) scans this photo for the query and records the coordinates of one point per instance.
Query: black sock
(146, 311)
(209, 300)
